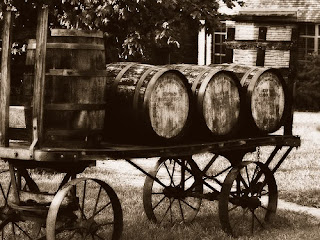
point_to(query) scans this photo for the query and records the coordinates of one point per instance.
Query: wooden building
(275, 21)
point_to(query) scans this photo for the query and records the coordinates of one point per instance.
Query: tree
(131, 27)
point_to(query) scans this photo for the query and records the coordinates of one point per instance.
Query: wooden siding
(307, 10)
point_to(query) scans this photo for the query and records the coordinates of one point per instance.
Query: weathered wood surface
(146, 101)
(266, 98)
(5, 78)
(217, 96)
(74, 99)
(39, 78)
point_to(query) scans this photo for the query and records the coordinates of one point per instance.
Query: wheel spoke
(223, 171)
(173, 168)
(188, 178)
(252, 222)
(243, 182)
(83, 216)
(171, 202)
(258, 220)
(4, 223)
(9, 188)
(96, 196)
(106, 224)
(254, 173)
(101, 209)
(23, 231)
(3, 194)
(243, 187)
(181, 210)
(247, 174)
(213, 159)
(186, 203)
(13, 231)
(171, 214)
(96, 204)
(264, 207)
(171, 177)
(180, 173)
(257, 177)
(154, 207)
(233, 208)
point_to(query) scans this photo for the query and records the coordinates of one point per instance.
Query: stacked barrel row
(185, 102)
(86, 101)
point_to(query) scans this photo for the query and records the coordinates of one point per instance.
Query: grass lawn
(298, 180)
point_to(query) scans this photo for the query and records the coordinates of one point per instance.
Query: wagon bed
(21, 150)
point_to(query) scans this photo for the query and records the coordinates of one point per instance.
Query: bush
(308, 84)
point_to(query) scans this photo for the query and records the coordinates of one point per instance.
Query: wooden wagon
(83, 208)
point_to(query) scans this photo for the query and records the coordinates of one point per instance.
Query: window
(219, 48)
(308, 40)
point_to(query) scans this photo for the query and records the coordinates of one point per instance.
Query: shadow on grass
(206, 226)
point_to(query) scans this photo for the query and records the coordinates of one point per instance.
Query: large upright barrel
(74, 104)
(146, 103)
(217, 95)
(266, 97)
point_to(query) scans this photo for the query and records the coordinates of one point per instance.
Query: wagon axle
(251, 203)
(174, 192)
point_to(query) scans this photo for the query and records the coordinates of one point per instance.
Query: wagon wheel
(12, 224)
(175, 196)
(85, 208)
(214, 169)
(248, 199)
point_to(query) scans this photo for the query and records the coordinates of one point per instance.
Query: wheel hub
(88, 226)
(250, 202)
(174, 192)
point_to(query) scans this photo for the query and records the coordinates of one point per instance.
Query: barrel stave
(218, 105)
(266, 98)
(74, 100)
(141, 101)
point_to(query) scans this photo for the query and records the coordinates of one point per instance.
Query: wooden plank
(39, 81)
(76, 73)
(73, 33)
(72, 73)
(269, 12)
(83, 46)
(293, 65)
(5, 78)
(265, 45)
(75, 106)
(71, 132)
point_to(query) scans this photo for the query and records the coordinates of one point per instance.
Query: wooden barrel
(217, 95)
(74, 104)
(146, 103)
(266, 97)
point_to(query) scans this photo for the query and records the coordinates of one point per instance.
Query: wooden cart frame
(63, 211)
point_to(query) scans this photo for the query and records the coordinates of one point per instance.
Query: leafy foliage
(132, 27)
(308, 85)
